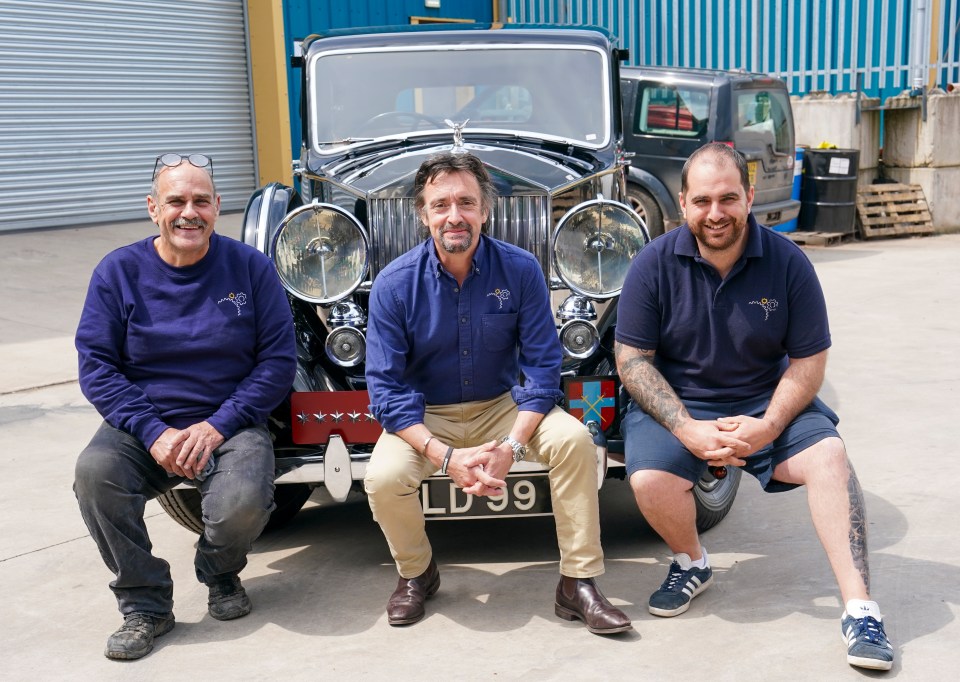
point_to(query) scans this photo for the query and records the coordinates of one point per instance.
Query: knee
(389, 474)
(93, 473)
(242, 514)
(650, 483)
(832, 459)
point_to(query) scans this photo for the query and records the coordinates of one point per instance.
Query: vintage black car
(540, 108)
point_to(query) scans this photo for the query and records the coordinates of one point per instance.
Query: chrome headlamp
(321, 253)
(594, 244)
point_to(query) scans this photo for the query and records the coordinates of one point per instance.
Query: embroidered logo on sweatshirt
(238, 299)
(501, 295)
(768, 305)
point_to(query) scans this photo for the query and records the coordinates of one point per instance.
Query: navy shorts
(648, 445)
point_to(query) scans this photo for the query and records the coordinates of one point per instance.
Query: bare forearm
(648, 388)
(797, 388)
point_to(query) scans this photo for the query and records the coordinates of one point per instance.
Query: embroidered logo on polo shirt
(768, 305)
(238, 299)
(501, 295)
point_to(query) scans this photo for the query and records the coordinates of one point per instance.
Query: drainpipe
(917, 45)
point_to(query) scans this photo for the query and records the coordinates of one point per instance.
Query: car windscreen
(672, 110)
(763, 120)
(550, 92)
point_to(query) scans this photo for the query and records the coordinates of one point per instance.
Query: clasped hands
(728, 440)
(185, 452)
(481, 470)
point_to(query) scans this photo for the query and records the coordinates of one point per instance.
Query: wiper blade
(347, 140)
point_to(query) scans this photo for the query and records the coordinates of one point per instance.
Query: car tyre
(647, 208)
(714, 497)
(183, 505)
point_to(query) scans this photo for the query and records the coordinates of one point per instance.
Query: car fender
(668, 203)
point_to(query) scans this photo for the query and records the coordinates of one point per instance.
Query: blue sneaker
(684, 582)
(867, 643)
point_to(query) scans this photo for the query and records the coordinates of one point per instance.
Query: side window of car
(664, 109)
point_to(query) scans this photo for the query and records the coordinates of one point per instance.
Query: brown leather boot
(406, 603)
(581, 598)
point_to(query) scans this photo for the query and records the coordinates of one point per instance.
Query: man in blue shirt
(186, 344)
(722, 341)
(453, 324)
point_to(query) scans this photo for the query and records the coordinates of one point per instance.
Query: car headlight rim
(348, 269)
(630, 228)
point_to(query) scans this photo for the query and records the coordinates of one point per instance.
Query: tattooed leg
(858, 526)
(837, 510)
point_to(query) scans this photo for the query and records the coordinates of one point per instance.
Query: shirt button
(463, 320)
(456, 290)
(466, 382)
(466, 352)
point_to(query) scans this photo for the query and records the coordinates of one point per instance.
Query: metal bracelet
(426, 443)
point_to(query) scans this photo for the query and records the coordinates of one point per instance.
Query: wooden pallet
(815, 238)
(891, 210)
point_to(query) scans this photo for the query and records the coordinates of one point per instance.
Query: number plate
(527, 495)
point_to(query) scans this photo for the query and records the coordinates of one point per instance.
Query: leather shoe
(581, 598)
(406, 603)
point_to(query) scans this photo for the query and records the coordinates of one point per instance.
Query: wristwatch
(519, 451)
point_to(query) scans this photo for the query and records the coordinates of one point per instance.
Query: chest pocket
(499, 331)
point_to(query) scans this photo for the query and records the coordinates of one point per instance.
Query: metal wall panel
(91, 91)
(811, 44)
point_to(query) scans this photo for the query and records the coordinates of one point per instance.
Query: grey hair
(446, 162)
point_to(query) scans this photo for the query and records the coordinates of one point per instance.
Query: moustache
(189, 222)
(458, 226)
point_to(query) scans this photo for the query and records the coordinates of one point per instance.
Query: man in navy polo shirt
(722, 342)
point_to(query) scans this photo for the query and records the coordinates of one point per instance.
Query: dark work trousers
(116, 475)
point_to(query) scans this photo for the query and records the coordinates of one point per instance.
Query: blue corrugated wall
(303, 17)
(812, 44)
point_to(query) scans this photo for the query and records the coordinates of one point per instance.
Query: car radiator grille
(395, 229)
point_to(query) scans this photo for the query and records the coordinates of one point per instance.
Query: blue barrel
(791, 225)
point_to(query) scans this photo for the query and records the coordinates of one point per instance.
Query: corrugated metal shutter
(91, 91)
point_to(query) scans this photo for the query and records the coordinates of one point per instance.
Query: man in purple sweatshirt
(186, 344)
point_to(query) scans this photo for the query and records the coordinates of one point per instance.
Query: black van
(668, 113)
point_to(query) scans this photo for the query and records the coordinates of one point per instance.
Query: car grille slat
(521, 220)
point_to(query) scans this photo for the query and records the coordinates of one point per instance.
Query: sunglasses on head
(174, 160)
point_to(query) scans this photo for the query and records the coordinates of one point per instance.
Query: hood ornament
(457, 134)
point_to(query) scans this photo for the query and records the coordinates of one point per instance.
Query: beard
(456, 246)
(709, 241)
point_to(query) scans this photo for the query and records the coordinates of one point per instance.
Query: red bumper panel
(316, 415)
(592, 399)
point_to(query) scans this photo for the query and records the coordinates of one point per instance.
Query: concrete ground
(319, 586)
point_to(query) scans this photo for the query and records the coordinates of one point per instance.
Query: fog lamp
(346, 346)
(579, 339)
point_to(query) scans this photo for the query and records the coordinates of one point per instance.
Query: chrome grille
(394, 227)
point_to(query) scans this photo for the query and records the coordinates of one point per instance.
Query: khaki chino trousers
(560, 442)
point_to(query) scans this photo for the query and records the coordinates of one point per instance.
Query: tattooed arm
(707, 440)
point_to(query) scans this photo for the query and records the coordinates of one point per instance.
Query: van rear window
(763, 119)
(671, 110)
